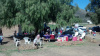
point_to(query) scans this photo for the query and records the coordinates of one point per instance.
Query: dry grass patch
(68, 43)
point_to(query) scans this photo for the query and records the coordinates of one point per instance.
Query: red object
(80, 39)
(25, 33)
(61, 31)
(74, 38)
(52, 37)
(66, 38)
(94, 33)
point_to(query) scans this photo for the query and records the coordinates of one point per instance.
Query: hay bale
(27, 47)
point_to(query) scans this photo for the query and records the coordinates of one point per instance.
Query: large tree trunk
(19, 29)
(36, 31)
(0, 31)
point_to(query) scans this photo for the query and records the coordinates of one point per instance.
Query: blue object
(47, 36)
(94, 34)
(0, 40)
(59, 33)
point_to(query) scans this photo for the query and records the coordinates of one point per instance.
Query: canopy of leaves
(31, 14)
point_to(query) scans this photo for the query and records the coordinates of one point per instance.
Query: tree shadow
(5, 42)
(10, 37)
(21, 37)
(53, 40)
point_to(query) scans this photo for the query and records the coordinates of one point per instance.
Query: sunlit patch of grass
(83, 24)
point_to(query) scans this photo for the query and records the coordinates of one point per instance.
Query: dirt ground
(49, 48)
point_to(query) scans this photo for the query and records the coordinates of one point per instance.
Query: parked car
(81, 27)
(68, 32)
(96, 28)
(85, 31)
(67, 28)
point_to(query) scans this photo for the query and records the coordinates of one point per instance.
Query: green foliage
(31, 14)
(94, 18)
(75, 20)
(94, 6)
(8, 13)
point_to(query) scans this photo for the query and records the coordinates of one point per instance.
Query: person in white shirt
(37, 40)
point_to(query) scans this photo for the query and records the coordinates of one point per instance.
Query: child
(94, 33)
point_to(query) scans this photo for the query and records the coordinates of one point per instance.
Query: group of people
(92, 32)
(52, 33)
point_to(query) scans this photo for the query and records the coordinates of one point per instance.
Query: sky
(81, 3)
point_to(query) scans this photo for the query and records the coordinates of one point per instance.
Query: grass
(52, 45)
(8, 49)
(83, 24)
(8, 52)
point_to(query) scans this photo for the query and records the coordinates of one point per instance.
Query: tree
(31, 14)
(94, 8)
(8, 13)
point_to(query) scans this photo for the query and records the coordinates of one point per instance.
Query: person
(83, 35)
(52, 36)
(76, 25)
(94, 33)
(56, 30)
(45, 25)
(15, 33)
(61, 31)
(46, 33)
(41, 33)
(37, 40)
(76, 33)
(59, 34)
(1, 38)
(48, 30)
(90, 31)
(47, 36)
(56, 34)
(53, 31)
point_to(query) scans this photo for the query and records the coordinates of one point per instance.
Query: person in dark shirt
(15, 33)
(56, 30)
